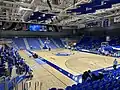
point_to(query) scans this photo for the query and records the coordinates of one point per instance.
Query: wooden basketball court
(76, 64)
(47, 76)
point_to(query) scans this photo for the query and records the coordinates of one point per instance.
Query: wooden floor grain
(47, 76)
(79, 62)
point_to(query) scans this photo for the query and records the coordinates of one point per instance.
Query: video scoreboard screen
(37, 27)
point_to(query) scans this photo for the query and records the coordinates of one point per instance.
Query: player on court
(115, 63)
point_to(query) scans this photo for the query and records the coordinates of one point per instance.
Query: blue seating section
(59, 42)
(115, 41)
(89, 43)
(52, 45)
(34, 43)
(2, 86)
(10, 83)
(92, 42)
(111, 81)
(19, 42)
(63, 40)
(43, 41)
(10, 56)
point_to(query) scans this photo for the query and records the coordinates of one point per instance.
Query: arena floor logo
(63, 54)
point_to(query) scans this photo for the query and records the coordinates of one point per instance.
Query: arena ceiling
(21, 10)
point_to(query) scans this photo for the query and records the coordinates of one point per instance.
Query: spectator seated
(104, 80)
(9, 58)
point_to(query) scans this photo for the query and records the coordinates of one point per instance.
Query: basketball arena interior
(59, 44)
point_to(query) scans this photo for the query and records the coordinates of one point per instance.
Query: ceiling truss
(20, 10)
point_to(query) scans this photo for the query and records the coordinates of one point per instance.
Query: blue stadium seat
(68, 88)
(34, 43)
(19, 42)
(13, 59)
